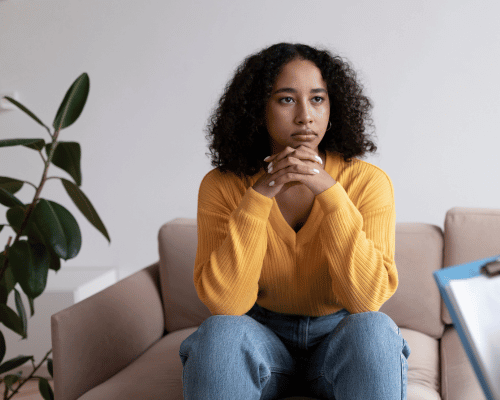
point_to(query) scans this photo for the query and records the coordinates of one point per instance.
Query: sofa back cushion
(470, 234)
(177, 246)
(415, 305)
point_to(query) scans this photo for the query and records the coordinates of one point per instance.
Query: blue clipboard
(443, 278)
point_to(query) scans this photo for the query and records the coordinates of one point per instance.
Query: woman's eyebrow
(292, 90)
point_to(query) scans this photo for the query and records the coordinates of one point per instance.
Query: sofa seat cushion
(158, 371)
(458, 380)
(156, 374)
(423, 366)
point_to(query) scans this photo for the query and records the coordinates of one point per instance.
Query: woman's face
(298, 110)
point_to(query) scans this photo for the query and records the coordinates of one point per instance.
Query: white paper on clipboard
(477, 303)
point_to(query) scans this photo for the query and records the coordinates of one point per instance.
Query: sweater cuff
(255, 204)
(333, 199)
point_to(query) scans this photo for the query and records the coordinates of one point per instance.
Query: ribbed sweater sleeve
(359, 242)
(232, 242)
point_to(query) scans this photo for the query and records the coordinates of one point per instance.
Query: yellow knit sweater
(343, 257)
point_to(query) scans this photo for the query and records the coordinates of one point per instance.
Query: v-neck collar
(285, 231)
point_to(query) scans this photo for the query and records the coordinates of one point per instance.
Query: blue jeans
(267, 355)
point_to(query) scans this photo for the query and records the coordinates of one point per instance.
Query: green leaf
(7, 282)
(10, 185)
(35, 144)
(8, 199)
(30, 265)
(59, 228)
(45, 389)
(9, 380)
(11, 320)
(85, 206)
(32, 306)
(21, 311)
(14, 363)
(50, 367)
(15, 216)
(10, 280)
(1, 227)
(73, 103)
(3, 348)
(23, 108)
(67, 156)
(55, 261)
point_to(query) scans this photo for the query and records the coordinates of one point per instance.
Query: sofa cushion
(423, 366)
(156, 374)
(470, 234)
(158, 371)
(177, 247)
(458, 380)
(417, 303)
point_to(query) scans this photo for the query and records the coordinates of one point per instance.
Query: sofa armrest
(97, 337)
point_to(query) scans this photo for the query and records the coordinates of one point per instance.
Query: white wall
(157, 68)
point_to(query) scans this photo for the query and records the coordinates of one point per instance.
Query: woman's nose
(304, 115)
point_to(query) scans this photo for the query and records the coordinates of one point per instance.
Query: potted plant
(44, 232)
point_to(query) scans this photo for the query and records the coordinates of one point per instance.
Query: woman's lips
(304, 136)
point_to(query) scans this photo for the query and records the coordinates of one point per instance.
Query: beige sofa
(123, 342)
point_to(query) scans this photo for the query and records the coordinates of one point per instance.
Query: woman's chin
(312, 144)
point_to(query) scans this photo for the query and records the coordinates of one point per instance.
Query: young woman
(296, 240)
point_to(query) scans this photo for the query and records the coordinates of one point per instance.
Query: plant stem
(39, 189)
(41, 155)
(29, 377)
(29, 183)
(31, 207)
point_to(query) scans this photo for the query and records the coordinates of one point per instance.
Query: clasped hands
(291, 167)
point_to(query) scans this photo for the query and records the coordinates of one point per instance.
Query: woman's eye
(286, 100)
(318, 99)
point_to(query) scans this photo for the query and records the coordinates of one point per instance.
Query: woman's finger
(316, 179)
(307, 160)
(305, 153)
(281, 155)
(291, 173)
(286, 162)
(301, 153)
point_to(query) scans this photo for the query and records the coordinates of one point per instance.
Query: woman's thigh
(237, 353)
(364, 357)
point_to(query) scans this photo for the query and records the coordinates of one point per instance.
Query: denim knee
(374, 334)
(227, 358)
(217, 334)
(365, 358)
(370, 323)
(225, 326)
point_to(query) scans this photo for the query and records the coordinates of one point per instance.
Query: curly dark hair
(237, 131)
